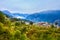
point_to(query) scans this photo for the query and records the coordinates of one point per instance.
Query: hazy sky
(29, 6)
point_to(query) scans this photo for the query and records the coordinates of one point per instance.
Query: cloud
(29, 6)
(20, 17)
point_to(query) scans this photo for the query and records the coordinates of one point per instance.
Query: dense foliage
(18, 30)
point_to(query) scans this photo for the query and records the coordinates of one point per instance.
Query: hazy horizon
(29, 6)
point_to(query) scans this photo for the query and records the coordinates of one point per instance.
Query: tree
(31, 23)
(17, 23)
(2, 17)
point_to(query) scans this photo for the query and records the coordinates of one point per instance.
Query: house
(46, 24)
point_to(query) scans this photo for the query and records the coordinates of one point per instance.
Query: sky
(29, 6)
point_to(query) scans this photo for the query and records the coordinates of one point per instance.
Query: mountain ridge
(46, 16)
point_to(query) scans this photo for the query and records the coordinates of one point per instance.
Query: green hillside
(19, 30)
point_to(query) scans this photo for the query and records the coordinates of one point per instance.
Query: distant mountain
(45, 16)
(6, 12)
(16, 15)
(20, 14)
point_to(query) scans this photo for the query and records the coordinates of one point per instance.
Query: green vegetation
(18, 30)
